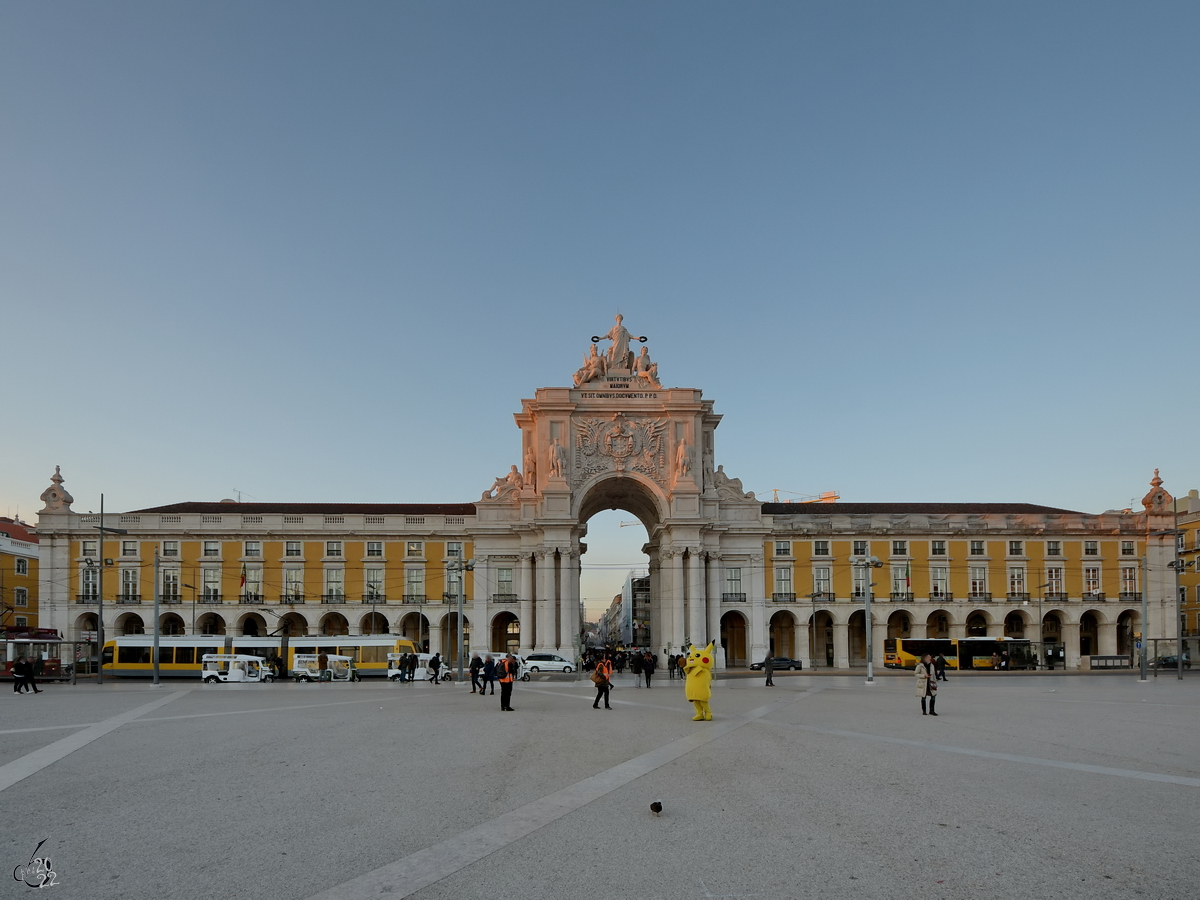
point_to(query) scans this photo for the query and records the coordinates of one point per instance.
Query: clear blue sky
(914, 251)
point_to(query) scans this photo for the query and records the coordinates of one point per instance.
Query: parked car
(780, 662)
(548, 662)
(1172, 661)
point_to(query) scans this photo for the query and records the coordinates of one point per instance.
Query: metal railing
(333, 598)
(292, 598)
(87, 598)
(979, 595)
(1130, 595)
(733, 598)
(1094, 595)
(946, 596)
(250, 599)
(414, 598)
(1054, 595)
(209, 598)
(374, 599)
(504, 598)
(783, 597)
(1017, 595)
(903, 596)
(128, 599)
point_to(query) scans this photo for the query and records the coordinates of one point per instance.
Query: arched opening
(334, 624)
(294, 625)
(414, 626)
(1052, 634)
(899, 625)
(821, 639)
(449, 648)
(733, 638)
(1014, 625)
(374, 623)
(856, 637)
(506, 633)
(977, 625)
(615, 581)
(783, 634)
(210, 623)
(130, 623)
(85, 627)
(252, 625)
(1127, 628)
(170, 623)
(937, 624)
(1089, 634)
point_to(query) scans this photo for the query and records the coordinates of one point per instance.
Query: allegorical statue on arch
(618, 361)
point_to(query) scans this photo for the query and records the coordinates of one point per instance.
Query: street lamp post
(100, 598)
(1041, 637)
(812, 634)
(461, 568)
(867, 563)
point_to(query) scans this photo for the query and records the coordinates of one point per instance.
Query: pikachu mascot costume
(698, 668)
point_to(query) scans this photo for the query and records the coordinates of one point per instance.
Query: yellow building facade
(19, 574)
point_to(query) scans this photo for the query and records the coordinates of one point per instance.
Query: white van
(306, 667)
(226, 667)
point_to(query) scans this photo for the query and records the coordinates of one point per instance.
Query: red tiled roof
(932, 509)
(328, 509)
(17, 530)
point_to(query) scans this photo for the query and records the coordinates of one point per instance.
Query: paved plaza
(823, 787)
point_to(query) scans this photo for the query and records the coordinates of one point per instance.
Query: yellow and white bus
(180, 656)
(960, 653)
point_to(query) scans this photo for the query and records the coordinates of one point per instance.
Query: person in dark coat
(635, 667)
(20, 673)
(768, 665)
(489, 675)
(648, 666)
(476, 668)
(435, 668)
(939, 666)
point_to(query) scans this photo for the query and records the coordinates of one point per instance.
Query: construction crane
(824, 497)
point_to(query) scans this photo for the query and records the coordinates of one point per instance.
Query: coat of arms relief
(620, 444)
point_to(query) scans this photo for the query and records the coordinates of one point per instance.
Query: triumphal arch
(618, 439)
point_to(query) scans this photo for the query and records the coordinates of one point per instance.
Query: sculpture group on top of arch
(618, 360)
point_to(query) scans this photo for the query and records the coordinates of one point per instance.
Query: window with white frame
(373, 578)
(1128, 548)
(254, 582)
(253, 548)
(1016, 580)
(733, 581)
(129, 548)
(293, 582)
(862, 548)
(1016, 548)
(170, 585)
(1054, 548)
(977, 548)
(1180, 542)
(783, 581)
(1091, 548)
(1054, 580)
(374, 548)
(1091, 579)
(453, 582)
(20, 597)
(292, 548)
(89, 583)
(783, 548)
(1129, 579)
(820, 548)
(335, 584)
(88, 548)
(333, 548)
(210, 584)
(212, 548)
(414, 583)
(860, 581)
(822, 580)
(978, 579)
(899, 548)
(170, 548)
(129, 583)
(939, 581)
(504, 581)
(22, 622)
(22, 566)
(937, 548)
(415, 548)
(899, 579)
(454, 549)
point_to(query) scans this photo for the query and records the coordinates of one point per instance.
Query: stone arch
(373, 623)
(1052, 637)
(821, 638)
(130, 623)
(506, 633)
(415, 627)
(84, 624)
(334, 624)
(781, 634)
(449, 648)
(1101, 615)
(856, 637)
(210, 623)
(252, 625)
(900, 624)
(734, 638)
(1015, 622)
(1089, 633)
(937, 624)
(171, 624)
(978, 621)
(629, 491)
(1128, 623)
(294, 625)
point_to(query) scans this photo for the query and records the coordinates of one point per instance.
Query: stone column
(544, 602)
(1070, 637)
(958, 630)
(525, 592)
(481, 581)
(697, 625)
(804, 641)
(757, 638)
(678, 624)
(435, 635)
(841, 645)
(714, 609)
(1106, 637)
(996, 629)
(568, 622)
(878, 636)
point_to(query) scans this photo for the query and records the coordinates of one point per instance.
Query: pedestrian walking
(926, 683)
(602, 678)
(670, 667)
(412, 667)
(635, 667)
(768, 665)
(476, 668)
(507, 672)
(36, 667)
(489, 675)
(20, 672)
(649, 664)
(434, 668)
(939, 666)
(323, 666)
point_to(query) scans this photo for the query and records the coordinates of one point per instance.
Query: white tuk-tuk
(306, 667)
(217, 667)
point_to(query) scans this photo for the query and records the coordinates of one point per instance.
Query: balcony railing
(943, 597)
(1094, 595)
(209, 598)
(504, 598)
(1055, 595)
(87, 598)
(128, 599)
(292, 598)
(170, 598)
(250, 599)
(902, 596)
(733, 598)
(333, 598)
(374, 599)
(822, 596)
(783, 597)
(1017, 595)
(979, 595)
(415, 598)
(1130, 595)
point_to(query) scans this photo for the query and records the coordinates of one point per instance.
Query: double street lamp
(100, 596)
(461, 568)
(867, 563)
